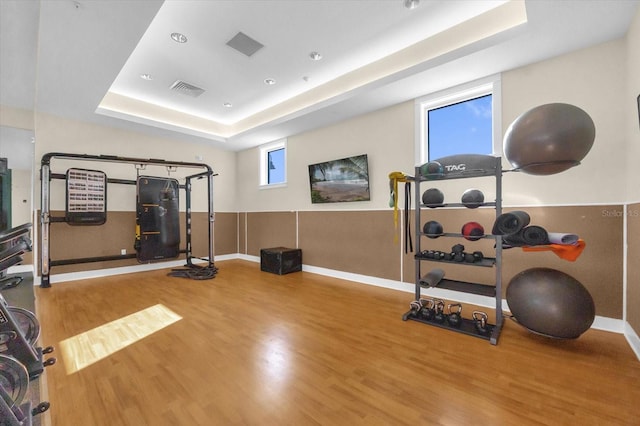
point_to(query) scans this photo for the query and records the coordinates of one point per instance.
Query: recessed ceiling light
(411, 4)
(269, 81)
(179, 38)
(227, 105)
(315, 56)
(146, 76)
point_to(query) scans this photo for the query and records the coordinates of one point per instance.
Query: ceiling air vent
(187, 89)
(244, 44)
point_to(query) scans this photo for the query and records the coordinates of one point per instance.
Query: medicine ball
(549, 139)
(431, 168)
(472, 198)
(432, 197)
(551, 303)
(472, 231)
(433, 229)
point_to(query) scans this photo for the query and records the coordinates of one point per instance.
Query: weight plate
(27, 322)
(14, 380)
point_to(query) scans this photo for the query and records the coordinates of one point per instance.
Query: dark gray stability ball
(549, 139)
(550, 302)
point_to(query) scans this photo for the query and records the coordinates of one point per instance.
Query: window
(273, 164)
(462, 120)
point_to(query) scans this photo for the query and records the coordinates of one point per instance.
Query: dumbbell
(454, 314)
(457, 253)
(480, 321)
(458, 248)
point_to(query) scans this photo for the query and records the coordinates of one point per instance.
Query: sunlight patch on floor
(91, 346)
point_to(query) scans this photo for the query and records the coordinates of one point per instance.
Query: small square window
(273, 164)
(275, 173)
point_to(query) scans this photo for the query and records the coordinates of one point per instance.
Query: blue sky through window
(461, 128)
(275, 172)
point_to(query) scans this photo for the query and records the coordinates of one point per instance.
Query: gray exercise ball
(549, 139)
(550, 302)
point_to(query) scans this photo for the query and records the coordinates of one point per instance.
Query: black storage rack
(467, 325)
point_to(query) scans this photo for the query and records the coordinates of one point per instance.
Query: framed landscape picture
(343, 180)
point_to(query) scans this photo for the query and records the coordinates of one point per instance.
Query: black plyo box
(280, 260)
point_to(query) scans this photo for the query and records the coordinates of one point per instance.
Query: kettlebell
(454, 315)
(438, 315)
(480, 321)
(426, 309)
(415, 308)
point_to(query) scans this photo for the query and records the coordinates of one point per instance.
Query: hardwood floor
(302, 349)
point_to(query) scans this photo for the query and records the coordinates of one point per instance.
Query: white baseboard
(632, 338)
(97, 273)
(608, 324)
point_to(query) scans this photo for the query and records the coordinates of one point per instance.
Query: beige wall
(55, 134)
(592, 79)
(15, 117)
(386, 136)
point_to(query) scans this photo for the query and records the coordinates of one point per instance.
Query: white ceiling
(83, 59)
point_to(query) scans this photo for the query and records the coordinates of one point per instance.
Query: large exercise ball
(549, 139)
(550, 302)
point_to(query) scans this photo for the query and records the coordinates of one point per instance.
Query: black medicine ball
(433, 229)
(432, 197)
(472, 198)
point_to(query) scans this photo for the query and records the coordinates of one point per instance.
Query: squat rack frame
(46, 219)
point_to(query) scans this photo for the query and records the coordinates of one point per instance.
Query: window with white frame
(273, 164)
(460, 120)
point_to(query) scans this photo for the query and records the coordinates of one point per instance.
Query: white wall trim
(632, 338)
(98, 273)
(608, 324)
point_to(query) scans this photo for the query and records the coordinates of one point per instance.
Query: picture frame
(341, 180)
